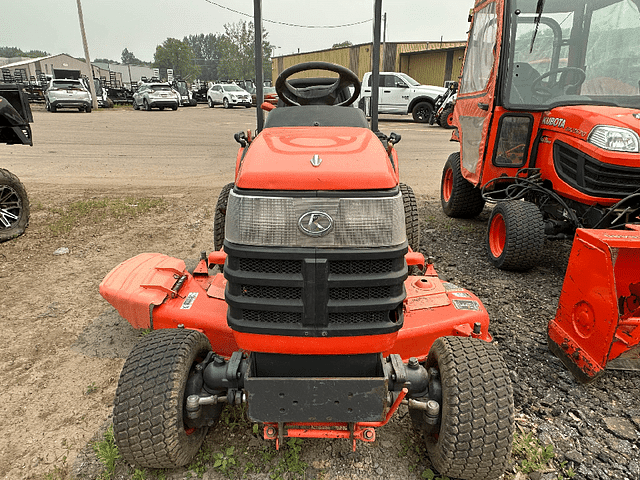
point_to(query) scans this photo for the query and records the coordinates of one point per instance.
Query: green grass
(107, 452)
(95, 211)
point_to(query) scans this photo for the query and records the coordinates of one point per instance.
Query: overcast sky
(141, 25)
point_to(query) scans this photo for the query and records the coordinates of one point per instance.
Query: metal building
(430, 63)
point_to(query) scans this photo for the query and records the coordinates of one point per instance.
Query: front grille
(266, 291)
(266, 265)
(358, 317)
(592, 177)
(265, 316)
(360, 267)
(315, 292)
(356, 293)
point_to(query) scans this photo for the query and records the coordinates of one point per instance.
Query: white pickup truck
(400, 94)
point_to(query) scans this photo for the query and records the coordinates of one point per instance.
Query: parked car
(270, 95)
(155, 95)
(67, 93)
(228, 95)
(402, 95)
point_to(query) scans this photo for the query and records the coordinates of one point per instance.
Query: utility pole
(384, 41)
(375, 64)
(92, 87)
(257, 30)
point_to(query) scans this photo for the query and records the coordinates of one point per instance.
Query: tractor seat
(316, 116)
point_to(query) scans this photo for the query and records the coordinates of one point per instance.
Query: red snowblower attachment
(597, 324)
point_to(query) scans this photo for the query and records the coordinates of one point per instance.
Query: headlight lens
(614, 138)
(279, 221)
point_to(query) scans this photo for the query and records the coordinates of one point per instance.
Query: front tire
(225, 103)
(411, 219)
(14, 206)
(210, 102)
(477, 413)
(515, 235)
(459, 198)
(422, 112)
(146, 105)
(148, 425)
(220, 216)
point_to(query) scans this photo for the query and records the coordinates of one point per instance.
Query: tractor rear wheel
(459, 198)
(476, 415)
(411, 218)
(14, 206)
(148, 425)
(515, 235)
(220, 216)
(445, 120)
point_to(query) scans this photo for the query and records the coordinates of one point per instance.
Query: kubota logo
(554, 122)
(315, 224)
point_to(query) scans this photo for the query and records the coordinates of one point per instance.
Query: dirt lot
(107, 186)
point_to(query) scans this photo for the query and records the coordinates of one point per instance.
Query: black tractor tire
(477, 413)
(422, 112)
(459, 198)
(148, 425)
(515, 235)
(411, 219)
(220, 216)
(445, 120)
(14, 206)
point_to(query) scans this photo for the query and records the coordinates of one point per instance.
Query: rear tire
(459, 198)
(14, 206)
(220, 216)
(477, 413)
(148, 426)
(411, 219)
(515, 235)
(422, 112)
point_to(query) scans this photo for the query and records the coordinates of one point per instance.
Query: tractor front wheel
(148, 425)
(459, 198)
(515, 235)
(477, 414)
(220, 216)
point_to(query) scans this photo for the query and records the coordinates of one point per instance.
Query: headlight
(315, 222)
(614, 138)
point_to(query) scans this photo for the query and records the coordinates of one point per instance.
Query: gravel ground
(594, 428)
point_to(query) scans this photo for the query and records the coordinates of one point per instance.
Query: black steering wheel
(539, 89)
(317, 94)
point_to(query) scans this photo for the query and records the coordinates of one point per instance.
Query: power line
(289, 24)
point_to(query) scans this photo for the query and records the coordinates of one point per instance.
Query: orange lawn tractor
(305, 312)
(548, 118)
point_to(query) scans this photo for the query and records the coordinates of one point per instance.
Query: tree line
(212, 56)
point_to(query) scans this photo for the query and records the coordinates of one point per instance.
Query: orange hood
(350, 159)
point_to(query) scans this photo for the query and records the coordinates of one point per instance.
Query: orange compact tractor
(307, 313)
(548, 118)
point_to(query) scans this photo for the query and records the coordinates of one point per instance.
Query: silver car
(155, 95)
(67, 93)
(228, 95)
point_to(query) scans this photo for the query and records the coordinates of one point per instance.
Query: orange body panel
(432, 309)
(598, 317)
(280, 159)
